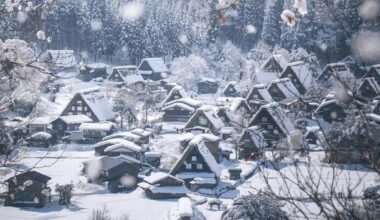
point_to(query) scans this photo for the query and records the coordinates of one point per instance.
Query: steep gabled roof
(263, 91)
(256, 136)
(197, 143)
(32, 175)
(181, 91)
(157, 65)
(339, 71)
(98, 103)
(372, 83)
(154, 178)
(210, 112)
(286, 87)
(278, 115)
(303, 74)
(278, 59)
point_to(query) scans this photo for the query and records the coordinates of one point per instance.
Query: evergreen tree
(271, 26)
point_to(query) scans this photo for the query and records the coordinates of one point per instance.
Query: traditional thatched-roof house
(300, 75)
(208, 86)
(90, 102)
(331, 110)
(368, 89)
(273, 121)
(283, 88)
(153, 69)
(197, 166)
(205, 119)
(251, 143)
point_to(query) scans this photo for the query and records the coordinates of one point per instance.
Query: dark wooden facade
(27, 190)
(374, 71)
(208, 87)
(368, 89)
(77, 106)
(331, 111)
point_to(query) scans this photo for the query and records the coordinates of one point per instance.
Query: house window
(193, 158)
(264, 119)
(70, 113)
(270, 126)
(255, 96)
(89, 114)
(199, 166)
(85, 108)
(79, 108)
(188, 166)
(334, 115)
(79, 102)
(73, 108)
(275, 131)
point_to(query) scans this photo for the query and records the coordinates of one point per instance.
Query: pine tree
(271, 26)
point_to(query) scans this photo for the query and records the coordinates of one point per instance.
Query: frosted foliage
(370, 9)
(250, 29)
(96, 25)
(21, 17)
(131, 11)
(367, 46)
(288, 17)
(41, 35)
(187, 71)
(301, 6)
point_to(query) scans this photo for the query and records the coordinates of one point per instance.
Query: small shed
(28, 189)
(153, 158)
(163, 186)
(96, 131)
(235, 173)
(91, 71)
(208, 86)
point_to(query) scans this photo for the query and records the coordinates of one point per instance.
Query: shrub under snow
(258, 206)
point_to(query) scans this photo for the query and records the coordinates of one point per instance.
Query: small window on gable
(79, 102)
(188, 166)
(255, 96)
(264, 119)
(89, 114)
(73, 108)
(193, 158)
(270, 127)
(79, 108)
(199, 166)
(85, 108)
(70, 113)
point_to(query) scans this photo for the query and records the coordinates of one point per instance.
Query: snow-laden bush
(372, 193)
(187, 71)
(104, 214)
(260, 206)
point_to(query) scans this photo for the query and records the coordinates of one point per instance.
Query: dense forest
(171, 28)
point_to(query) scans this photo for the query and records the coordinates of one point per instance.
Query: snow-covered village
(190, 109)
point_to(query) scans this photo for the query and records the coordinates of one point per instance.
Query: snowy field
(64, 164)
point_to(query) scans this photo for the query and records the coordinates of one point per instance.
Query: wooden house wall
(289, 73)
(177, 114)
(193, 167)
(326, 111)
(276, 93)
(207, 88)
(265, 121)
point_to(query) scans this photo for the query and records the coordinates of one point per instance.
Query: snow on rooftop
(109, 142)
(257, 136)
(40, 121)
(178, 89)
(141, 132)
(124, 146)
(157, 64)
(154, 178)
(97, 101)
(180, 105)
(263, 91)
(185, 209)
(303, 74)
(188, 101)
(279, 116)
(287, 87)
(209, 158)
(123, 135)
(97, 65)
(75, 119)
(101, 126)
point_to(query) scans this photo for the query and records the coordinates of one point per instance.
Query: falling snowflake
(250, 29)
(301, 6)
(41, 35)
(96, 25)
(370, 9)
(183, 39)
(288, 17)
(131, 11)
